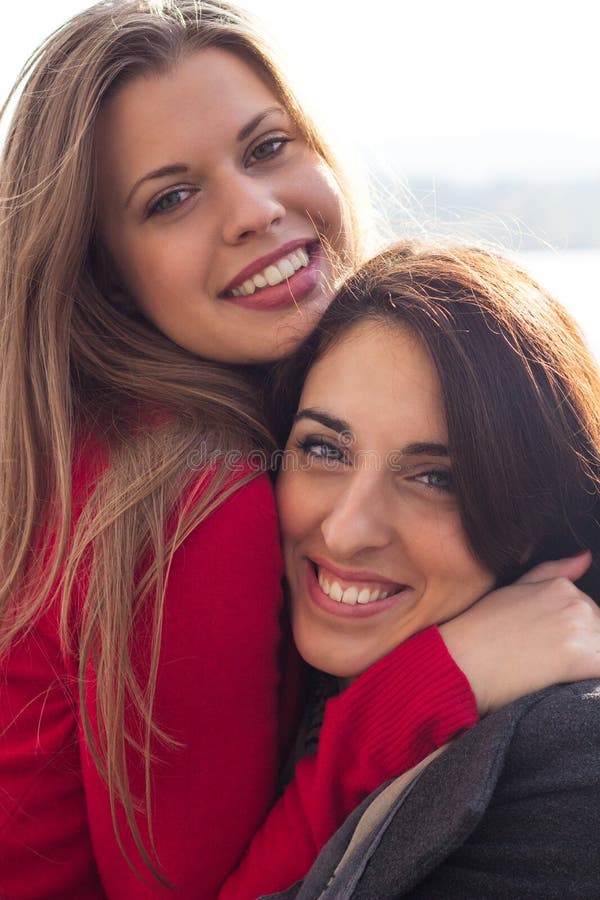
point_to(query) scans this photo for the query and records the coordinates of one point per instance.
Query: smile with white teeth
(274, 274)
(355, 593)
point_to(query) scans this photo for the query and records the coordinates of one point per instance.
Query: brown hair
(521, 393)
(75, 365)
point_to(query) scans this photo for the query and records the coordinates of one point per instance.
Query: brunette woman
(446, 437)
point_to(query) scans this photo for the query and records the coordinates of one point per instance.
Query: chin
(334, 660)
(301, 322)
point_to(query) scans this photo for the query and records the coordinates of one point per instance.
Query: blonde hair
(75, 365)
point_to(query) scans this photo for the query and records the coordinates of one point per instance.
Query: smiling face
(215, 211)
(374, 546)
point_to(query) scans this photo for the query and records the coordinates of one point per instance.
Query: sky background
(463, 89)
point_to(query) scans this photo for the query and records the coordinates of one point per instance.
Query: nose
(359, 518)
(250, 208)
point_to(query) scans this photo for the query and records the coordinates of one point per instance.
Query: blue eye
(171, 200)
(269, 148)
(319, 448)
(437, 480)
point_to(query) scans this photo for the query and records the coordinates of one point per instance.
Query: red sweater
(218, 686)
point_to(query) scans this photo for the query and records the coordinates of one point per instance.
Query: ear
(109, 281)
(526, 555)
(120, 298)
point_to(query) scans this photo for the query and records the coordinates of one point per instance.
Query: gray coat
(509, 811)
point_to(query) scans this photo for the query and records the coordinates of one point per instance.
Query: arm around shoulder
(406, 705)
(540, 835)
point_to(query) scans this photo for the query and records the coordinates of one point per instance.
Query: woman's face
(374, 546)
(215, 211)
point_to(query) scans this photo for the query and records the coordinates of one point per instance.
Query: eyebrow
(247, 130)
(425, 448)
(183, 169)
(174, 169)
(417, 448)
(324, 419)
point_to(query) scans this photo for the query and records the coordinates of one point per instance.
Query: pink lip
(345, 610)
(347, 575)
(259, 264)
(294, 290)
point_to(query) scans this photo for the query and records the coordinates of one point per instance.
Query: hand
(539, 631)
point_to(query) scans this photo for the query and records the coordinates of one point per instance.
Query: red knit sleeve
(45, 847)
(217, 698)
(397, 712)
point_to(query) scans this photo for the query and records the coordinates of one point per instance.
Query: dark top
(509, 811)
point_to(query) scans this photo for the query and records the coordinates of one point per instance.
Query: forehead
(200, 99)
(201, 78)
(381, 379)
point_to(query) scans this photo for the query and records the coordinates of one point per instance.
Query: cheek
(292, 511)
(325, 200)
(462, 579)
(303, 504)
(452, 569)
(163, 268)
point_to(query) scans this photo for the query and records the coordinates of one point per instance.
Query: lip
(344, 610)
(259, 264)
(304, 284)
(347, 575)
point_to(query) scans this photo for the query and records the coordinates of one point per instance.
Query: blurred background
(470, 117)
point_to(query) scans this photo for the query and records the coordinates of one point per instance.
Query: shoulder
(243, 497)
(239, 532)
(546, 741)
(566, 710)
(557, 727)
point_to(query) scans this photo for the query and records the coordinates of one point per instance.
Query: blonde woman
(171, 221)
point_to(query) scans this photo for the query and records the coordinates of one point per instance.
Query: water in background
(573, 277)
(526, 218)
